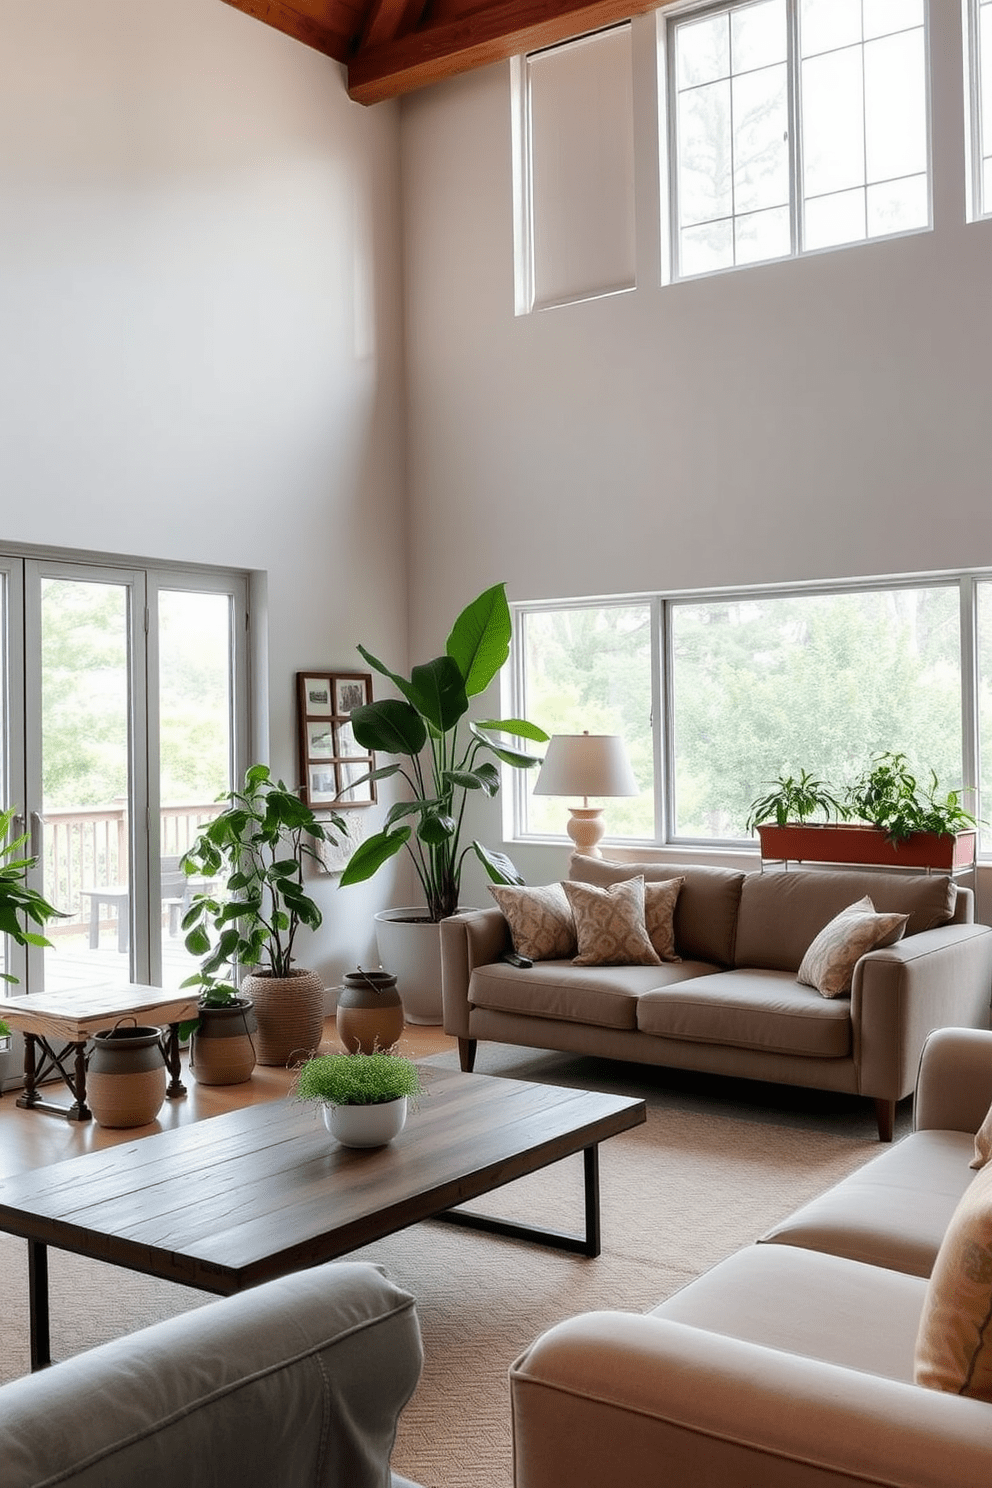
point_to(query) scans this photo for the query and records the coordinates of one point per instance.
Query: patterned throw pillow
(609, 924)
(659, 916)
(829, 963)
(954, 1342)
(540, 920)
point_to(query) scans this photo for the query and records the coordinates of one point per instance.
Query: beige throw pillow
(609, 924)
(983, 1142)
(659, 916)
(540, 920)
(954, 1343)
(829, 963)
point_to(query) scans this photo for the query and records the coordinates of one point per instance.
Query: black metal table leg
(589, 1244)
(41, 1350)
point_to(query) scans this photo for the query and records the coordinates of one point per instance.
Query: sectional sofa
(797, 1362)
(732, 1004)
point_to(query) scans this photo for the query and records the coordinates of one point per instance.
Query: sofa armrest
(937, 979)
(299, 1382)
(473, 938)
(615, 1398)
(954, 1090)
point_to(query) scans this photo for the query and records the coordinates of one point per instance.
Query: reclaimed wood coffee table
(230, 1201)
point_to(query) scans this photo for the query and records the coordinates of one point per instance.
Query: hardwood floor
(34, 1139)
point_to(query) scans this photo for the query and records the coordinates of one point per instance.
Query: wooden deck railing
(86, 847)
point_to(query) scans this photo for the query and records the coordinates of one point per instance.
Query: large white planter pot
(411, 949)
(366, 1126)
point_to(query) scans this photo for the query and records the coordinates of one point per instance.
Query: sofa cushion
(750, 1010)
(954, 1344)
(894, 1211)
(829, 963)
(604, 996)
(802, 1302)
(782, 913)
(540, 920)
(609, 924)
(660, 900)
(706, 912)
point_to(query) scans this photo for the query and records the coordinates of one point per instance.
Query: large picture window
(795, 125)
(726, 692)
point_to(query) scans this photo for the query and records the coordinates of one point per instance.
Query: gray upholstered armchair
(299, 1382)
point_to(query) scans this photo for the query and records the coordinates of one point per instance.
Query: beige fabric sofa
(789, 1365)
(733, 1005)
(298, 1383)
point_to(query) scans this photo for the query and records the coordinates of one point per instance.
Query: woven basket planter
(290, 1015)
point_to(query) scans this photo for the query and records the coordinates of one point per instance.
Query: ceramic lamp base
(586, 827)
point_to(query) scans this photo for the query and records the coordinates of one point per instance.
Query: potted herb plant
(257, 848)
(884, 819)
(363, 1097)
(442, 757)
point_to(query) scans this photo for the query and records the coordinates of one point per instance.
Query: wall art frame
(334, 768)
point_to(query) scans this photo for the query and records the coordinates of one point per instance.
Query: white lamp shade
(586, 765)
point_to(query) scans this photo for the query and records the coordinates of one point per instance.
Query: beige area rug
(678, 1194)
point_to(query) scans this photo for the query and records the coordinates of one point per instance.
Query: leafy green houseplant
(257, 848)
(887, 795)
(20, 906)
(440, 760)
(795, 800)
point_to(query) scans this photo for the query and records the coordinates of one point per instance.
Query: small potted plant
(363, 1097)
(257, 848)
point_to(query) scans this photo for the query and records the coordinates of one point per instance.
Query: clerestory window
(794, 126)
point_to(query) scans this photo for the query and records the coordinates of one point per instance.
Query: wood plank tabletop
(233, 1200)
(77, 1015)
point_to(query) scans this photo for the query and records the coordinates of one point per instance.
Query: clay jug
(370, 1011)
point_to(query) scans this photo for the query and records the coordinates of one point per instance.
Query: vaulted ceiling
(394, 46)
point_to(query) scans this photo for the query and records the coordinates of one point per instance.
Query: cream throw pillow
(609, 924)
(829, 963)
(540, 920)
(954, 1343)
(659, 916)
(983, 1142)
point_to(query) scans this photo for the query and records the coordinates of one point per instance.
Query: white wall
(823, 417)
(201, 345)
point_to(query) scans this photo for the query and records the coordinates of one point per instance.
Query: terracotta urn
(369, 1012)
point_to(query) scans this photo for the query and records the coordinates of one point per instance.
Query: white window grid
(798, 234)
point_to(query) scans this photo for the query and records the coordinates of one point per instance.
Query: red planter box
(839, 843)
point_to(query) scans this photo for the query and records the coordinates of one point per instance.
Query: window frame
(978, 209)
(966, 581)
(667, 71)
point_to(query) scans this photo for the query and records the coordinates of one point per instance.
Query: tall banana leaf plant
(440, 760)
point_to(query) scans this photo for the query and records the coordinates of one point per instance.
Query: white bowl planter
(366, 1126)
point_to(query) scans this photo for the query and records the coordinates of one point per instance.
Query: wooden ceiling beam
(388, 19)
(492, 34)
(306, 21)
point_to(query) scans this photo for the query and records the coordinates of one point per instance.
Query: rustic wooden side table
(72, 1018)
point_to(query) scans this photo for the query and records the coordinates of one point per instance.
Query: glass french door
(123, 710)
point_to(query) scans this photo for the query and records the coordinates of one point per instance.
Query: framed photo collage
(332, 762)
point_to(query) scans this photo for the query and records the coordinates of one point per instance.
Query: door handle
(37, 829)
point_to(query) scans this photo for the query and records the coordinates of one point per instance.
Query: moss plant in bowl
(363, 1097)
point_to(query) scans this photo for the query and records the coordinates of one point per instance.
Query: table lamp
(586, 765)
